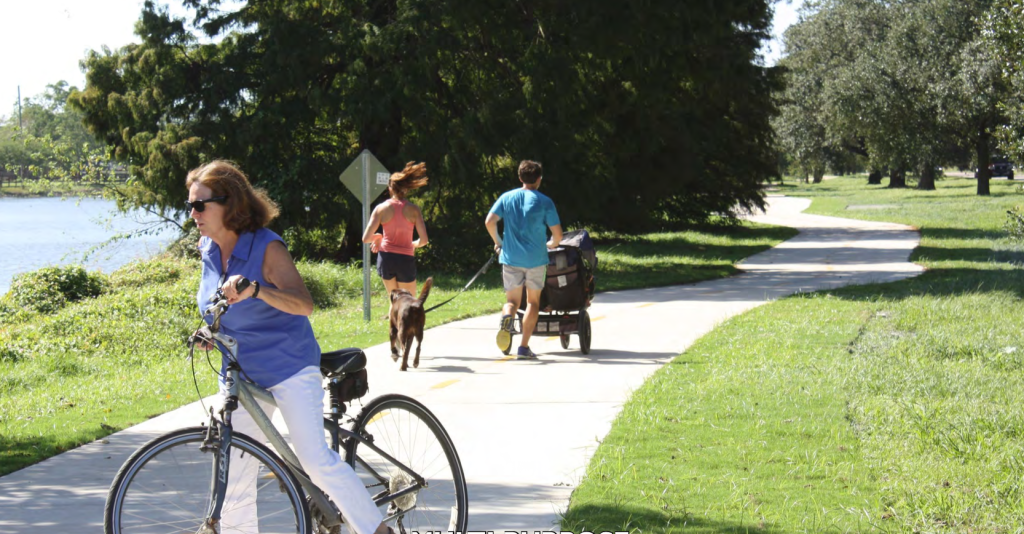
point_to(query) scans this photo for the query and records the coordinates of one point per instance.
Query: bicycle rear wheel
(166, 487)
(408, 431)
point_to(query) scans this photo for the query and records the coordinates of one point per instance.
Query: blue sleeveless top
(272, 345)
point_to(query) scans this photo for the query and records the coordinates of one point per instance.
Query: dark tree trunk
(875, 178)
(927, 181)
(897, 178)
(984, 155)
(819, 175)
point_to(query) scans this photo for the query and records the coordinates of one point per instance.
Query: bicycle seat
(342, 361)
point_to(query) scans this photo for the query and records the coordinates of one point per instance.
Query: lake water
(38, 232)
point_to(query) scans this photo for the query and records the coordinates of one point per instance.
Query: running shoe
(526, 354)
(504, 338)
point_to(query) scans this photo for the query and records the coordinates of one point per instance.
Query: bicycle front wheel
(409, 432)
(166, 486)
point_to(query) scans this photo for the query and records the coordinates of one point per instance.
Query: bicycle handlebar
(220, 305)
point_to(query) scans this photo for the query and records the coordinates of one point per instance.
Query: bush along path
(526, 429)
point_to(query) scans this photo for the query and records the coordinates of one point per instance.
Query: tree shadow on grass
(941, 283)
(623, 517)
(972, 254)
(962, 233)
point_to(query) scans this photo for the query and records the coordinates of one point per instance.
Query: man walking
(528, 214)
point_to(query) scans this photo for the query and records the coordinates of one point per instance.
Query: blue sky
(43, 40)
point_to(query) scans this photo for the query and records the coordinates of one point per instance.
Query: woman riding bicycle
(269, 319)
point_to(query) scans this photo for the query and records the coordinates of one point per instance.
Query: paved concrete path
(524, 430)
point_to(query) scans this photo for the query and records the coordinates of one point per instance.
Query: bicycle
(178, 482)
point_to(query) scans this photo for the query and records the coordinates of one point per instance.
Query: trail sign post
(366, 178)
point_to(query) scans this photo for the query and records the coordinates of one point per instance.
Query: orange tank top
(398, 231)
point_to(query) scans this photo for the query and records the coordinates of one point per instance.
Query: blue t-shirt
(272, 345)
(527, 214)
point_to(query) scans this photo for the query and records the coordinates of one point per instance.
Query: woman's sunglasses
(200, 205)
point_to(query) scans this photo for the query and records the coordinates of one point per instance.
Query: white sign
(383, 178)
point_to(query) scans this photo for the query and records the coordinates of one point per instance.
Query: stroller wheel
(584, 332)
(564, 339)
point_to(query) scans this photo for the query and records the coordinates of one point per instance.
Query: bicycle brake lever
(217, 296)
(202, 335)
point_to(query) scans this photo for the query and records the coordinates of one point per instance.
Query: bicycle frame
(247, 393)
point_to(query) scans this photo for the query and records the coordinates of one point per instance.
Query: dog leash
(471, 280)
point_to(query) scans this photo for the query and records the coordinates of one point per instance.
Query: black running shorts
(400, 266)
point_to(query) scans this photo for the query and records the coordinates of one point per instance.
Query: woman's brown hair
(247, 208)
(413, 176)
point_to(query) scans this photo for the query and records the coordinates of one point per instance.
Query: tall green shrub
(51, 288)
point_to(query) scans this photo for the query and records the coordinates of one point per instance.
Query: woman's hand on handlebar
(237, 288)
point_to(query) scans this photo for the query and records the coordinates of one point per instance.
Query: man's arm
(556, 236)
(492, 228)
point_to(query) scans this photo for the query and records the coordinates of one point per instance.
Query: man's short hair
(530, 171)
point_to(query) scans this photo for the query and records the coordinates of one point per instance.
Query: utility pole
(21, 168)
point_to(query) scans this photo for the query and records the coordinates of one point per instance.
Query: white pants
(300, 398)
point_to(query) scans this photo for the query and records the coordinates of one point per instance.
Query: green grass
(651, 260)
(47, 188)
(102, 364)
(880, 408)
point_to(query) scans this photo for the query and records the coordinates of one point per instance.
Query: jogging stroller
(567, 292)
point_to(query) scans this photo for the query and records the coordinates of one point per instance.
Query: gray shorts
(514, 277)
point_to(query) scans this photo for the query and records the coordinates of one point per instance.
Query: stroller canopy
(581, 239)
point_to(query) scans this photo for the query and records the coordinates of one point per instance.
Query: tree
(1006, 25)
(644, 115)
(51, 143)
(966, 77)
(907, 79)
(813, 55)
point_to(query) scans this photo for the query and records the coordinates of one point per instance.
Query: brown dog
(407, 319)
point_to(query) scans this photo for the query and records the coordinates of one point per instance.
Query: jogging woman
(395, 248)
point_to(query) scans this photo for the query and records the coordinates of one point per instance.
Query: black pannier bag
(570, 279)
